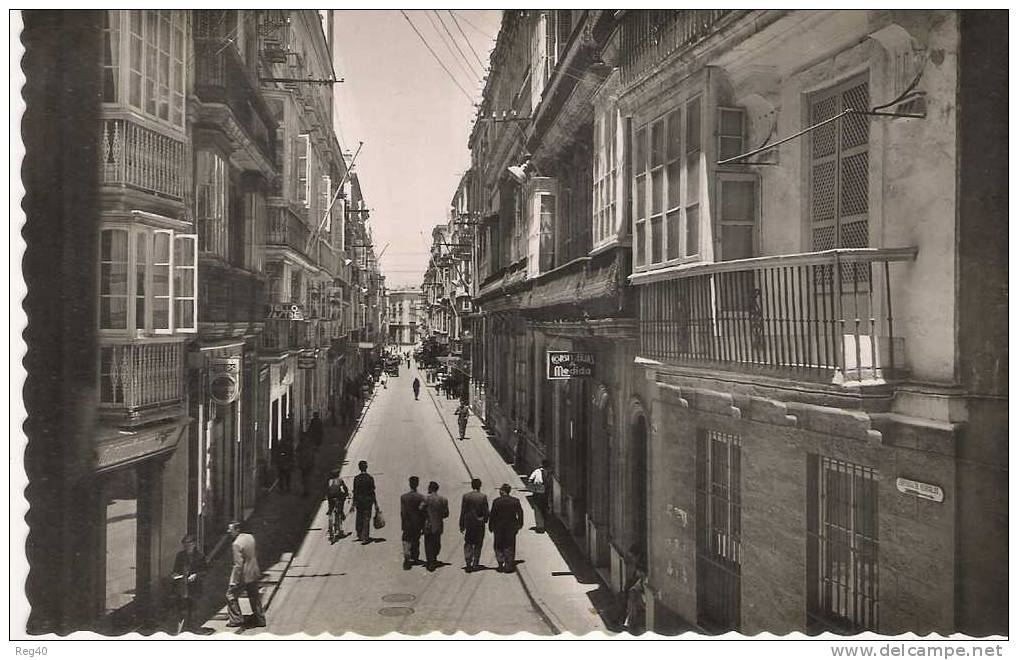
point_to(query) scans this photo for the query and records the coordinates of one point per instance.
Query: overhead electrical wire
(455, 43)
(435, 55)
(479, 30)
(465, 38)
(459, 62)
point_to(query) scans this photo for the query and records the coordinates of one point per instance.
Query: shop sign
(919, 489)
(224, 380)
(307, 359)
(365, 344)
(286, 312)
(564, 365)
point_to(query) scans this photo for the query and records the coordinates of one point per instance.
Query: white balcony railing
(135, 377)
(138, 157)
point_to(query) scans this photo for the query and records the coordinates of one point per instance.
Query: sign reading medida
(563, 365)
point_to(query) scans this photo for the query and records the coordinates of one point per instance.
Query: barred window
(842, 569)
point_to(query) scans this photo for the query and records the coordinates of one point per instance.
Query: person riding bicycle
(337, 494)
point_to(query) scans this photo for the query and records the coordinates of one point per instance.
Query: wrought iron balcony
(649, 36)
(134, 156)
(287, 229)
(137, 377)
(823, 316)
(222, 76)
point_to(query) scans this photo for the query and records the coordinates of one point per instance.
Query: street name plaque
(919, 489)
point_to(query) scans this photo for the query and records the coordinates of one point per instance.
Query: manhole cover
(396, 611)
(399, 598)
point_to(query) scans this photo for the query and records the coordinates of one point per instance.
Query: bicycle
(336, 518)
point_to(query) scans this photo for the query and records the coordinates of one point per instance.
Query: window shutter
(839, 187)
(537, 59)
(731, 132)
(738, 211)
(185, 282)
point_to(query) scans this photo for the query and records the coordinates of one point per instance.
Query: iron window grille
(842, 569)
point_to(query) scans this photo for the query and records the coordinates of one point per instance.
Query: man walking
(188, 568)
(244, 578)
(284, 463)
(417, 388)
(364, 501)
(316, 430)
(436, 510)
(505, 521)
(473, 517)
(411, 516)
(462, 415)
(539, 489)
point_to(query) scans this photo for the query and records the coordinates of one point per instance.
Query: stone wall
(915, 536)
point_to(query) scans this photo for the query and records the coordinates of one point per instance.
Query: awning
(119, 447)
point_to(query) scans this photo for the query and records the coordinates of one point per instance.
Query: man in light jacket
(244, 578)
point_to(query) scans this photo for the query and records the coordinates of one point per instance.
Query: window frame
(605, 202)
(835, 90)
(721, 177)
(819, 614)
(144, 327)
(174, 296)
(643, 250)
(123, 63)
(302, 178)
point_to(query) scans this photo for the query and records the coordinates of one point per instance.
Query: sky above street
(413, 119)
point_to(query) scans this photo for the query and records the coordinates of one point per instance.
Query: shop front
(141, 520)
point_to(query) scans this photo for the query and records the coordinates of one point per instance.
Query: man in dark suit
(505, 521)
(188, 568)
(412, 517)
(363, 501)
(473, 517)
(436, 510)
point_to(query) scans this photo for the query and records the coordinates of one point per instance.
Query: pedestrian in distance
(189, 567)
(305, 463)
(363, 501)
(538, 482)
(244, 578)
(462, 415)
(417, 388)
(473, 518)
(411, 514)
(316, 430)
(336, 493)
(505, 521)
(436, 510)
(284, 464)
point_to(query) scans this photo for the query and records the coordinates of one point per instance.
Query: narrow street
(349, 587)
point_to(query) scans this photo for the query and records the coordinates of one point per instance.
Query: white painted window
(147, 281)
(666, 213)
(153, 45)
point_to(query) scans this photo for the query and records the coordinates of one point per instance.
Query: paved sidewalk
(555, 575)
(279, 524)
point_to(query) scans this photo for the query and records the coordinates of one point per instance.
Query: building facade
(224, 292)
(401, 315)
(735, 216)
